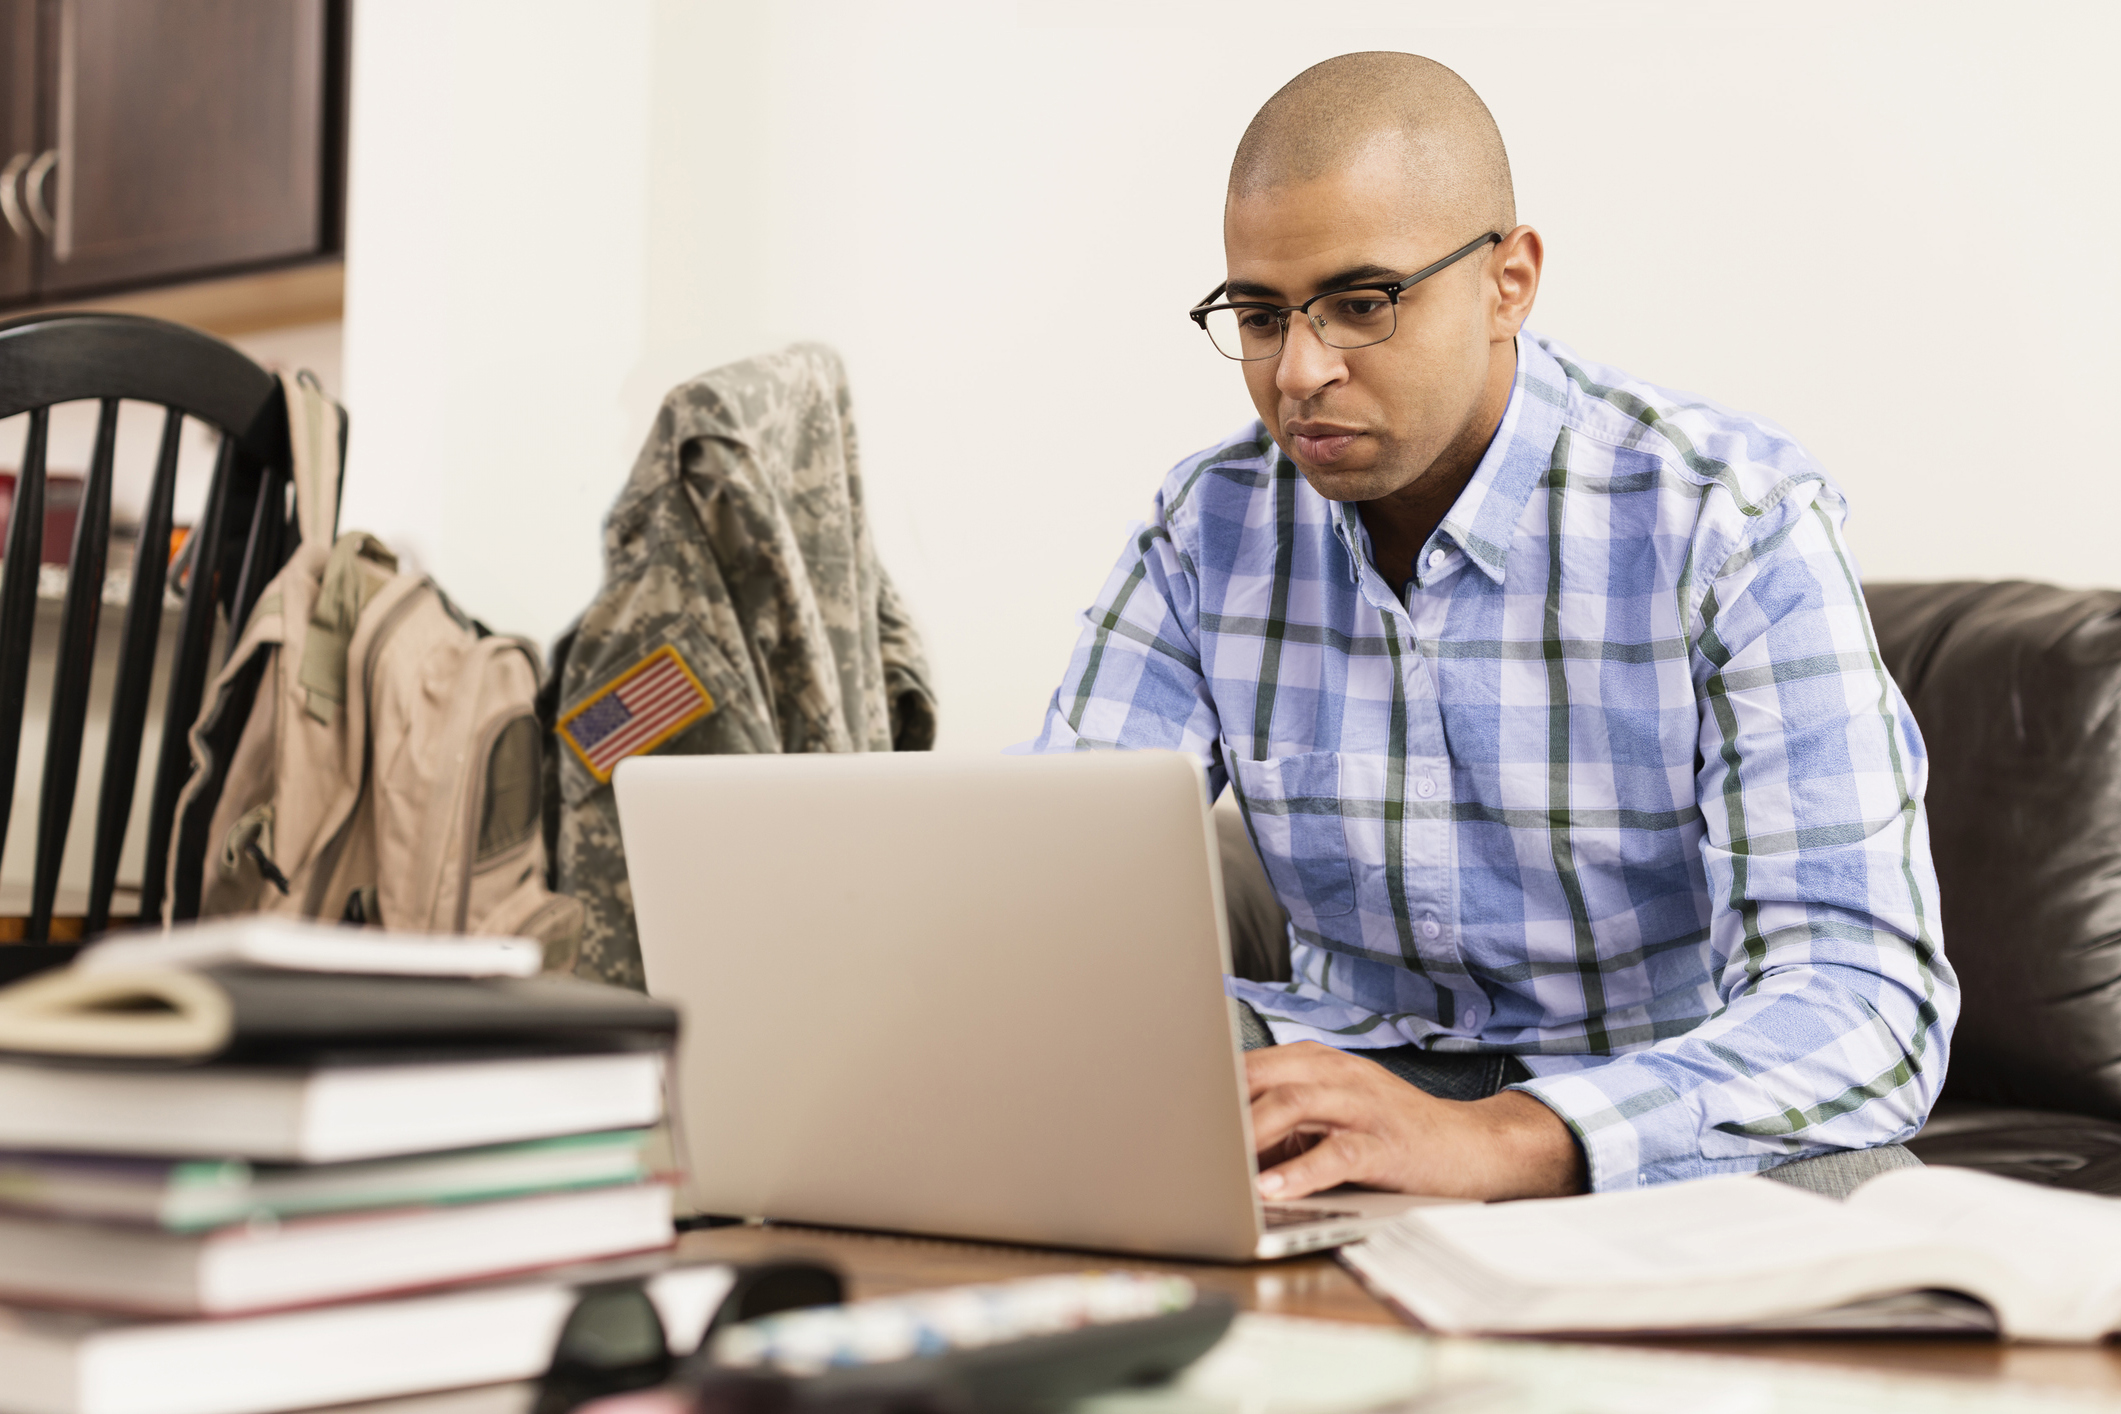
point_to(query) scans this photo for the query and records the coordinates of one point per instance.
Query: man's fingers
(1331, 1117)
(1330, 1162)
(1287, 1109)
(1289, 1148)
(1298, 1061)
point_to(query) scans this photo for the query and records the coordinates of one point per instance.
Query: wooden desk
(878, 1265)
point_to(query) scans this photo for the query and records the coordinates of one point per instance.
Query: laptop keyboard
(1281, 1215)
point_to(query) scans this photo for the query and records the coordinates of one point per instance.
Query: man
(1550, 698)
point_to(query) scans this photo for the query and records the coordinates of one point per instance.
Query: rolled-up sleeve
(1837, 1001)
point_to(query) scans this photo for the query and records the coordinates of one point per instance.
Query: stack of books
(263, 1166)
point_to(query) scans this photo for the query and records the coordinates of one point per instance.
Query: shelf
(311, 293)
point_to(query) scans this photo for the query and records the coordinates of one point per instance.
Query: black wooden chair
(244, 536)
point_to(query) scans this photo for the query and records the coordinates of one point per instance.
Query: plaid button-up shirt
(1619, 785)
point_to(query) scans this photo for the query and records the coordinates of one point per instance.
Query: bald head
(1381, 104)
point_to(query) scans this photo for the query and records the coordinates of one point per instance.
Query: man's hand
(1323, 1117)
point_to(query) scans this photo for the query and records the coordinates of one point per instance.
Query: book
(1750, 1253)
(324, 1113)
(62, 1362)
(260, 940)
(241, 1013)
(269, 1265)
(192, 1195)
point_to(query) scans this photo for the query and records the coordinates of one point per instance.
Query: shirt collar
(1483, 519)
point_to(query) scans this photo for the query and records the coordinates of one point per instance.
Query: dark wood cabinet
(18, 143)
(148, 141)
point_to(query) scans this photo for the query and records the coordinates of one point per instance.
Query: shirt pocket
(1294, 805)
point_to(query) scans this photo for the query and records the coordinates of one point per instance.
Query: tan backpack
(386, 766)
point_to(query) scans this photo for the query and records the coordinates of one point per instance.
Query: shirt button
(1465, 1023)
(1425, 787)
(1436, 559)
(1429, 928)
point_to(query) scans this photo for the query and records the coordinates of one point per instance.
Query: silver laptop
(971, 996)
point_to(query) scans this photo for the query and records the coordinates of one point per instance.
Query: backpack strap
(359, 569)
(315, 434)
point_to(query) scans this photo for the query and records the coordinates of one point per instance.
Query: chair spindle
(187, 685)
(18, 604)
(70, 684)
(136, 675)
(258, 550)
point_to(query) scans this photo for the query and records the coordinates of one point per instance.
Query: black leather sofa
(2017, 688)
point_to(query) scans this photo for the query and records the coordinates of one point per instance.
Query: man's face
(1362, 423)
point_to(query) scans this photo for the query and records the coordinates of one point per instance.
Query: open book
(1746, 1252)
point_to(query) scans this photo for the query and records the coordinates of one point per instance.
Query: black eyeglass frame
(1391, 289)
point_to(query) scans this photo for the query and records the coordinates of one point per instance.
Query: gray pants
(1476, 1075)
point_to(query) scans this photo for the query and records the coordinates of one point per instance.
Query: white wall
(496, 272)
(1890, 235)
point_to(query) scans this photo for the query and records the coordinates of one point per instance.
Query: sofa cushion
(2039, 1146)
(2017, 688)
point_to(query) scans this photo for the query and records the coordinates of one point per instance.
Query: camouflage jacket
(743, 609)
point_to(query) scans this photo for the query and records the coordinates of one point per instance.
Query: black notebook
(246, 1014)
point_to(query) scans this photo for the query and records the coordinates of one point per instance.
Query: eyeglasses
(1351, 318)
(613, 1340)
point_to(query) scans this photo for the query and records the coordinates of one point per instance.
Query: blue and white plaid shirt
(1620, 785)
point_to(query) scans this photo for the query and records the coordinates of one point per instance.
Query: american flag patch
(637, 711)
